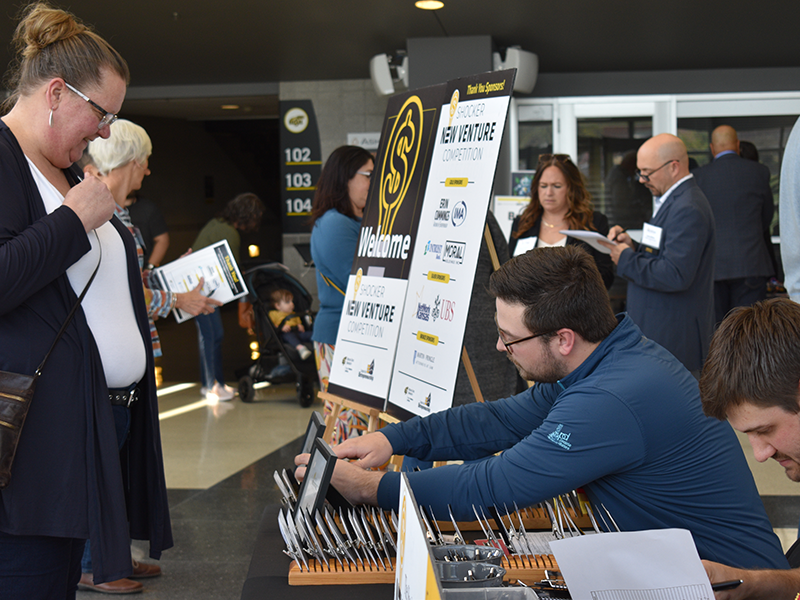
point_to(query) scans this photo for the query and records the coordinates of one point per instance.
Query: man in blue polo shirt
(613, 412)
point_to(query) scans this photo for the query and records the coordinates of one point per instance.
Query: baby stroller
(278, 362)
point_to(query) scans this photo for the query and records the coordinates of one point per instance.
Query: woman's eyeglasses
(107, 119)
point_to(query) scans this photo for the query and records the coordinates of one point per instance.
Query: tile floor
(219, 461)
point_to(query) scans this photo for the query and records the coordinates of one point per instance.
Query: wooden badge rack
(530, 569)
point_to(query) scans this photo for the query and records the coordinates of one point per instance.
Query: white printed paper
(658, 563)
(216, 264)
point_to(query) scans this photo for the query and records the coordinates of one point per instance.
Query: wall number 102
(297, 155)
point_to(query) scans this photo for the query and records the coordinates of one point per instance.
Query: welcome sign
(408, 294)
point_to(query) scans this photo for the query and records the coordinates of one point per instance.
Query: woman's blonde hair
(53, 43)
(127, 141)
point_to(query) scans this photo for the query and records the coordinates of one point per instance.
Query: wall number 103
(298, 180)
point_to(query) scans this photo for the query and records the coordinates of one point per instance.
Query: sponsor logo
(443, 309)
(442, 214)
(459, 214)
(423, 311)
(347, 364)
(560, 438)
(409, 394)
(426, 404)
(435, 249)
(454, 252)
(423, 360)
(296, 120)
(368, 372)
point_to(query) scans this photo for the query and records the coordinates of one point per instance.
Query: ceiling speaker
(527, 66)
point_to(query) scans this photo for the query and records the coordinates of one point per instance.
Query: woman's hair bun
(42, 25)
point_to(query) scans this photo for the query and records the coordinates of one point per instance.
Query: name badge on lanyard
(651, 238)
(525, 244)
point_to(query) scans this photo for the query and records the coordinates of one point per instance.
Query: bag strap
(286, 319)
(72, 312)
(330, 283)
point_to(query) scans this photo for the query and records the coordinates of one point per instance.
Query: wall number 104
(297, 155)
(298, 205)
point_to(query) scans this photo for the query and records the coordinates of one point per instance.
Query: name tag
(651, 238)
(525, 244)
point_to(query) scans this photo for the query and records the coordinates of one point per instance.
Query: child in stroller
(277, 360)
(288, 323)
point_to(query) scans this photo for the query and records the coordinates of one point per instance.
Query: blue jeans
(122, 424)
(209, 338)
(41, 567)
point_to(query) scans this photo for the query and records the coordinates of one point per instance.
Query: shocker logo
(399, 162)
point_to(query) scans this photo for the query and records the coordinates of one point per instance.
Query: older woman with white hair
(121, 162)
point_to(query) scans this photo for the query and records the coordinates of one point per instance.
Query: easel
(377, 418)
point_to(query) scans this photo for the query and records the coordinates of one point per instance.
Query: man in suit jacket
(741, 199)
(671, 273)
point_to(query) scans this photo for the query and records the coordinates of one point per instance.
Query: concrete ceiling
(211, 42)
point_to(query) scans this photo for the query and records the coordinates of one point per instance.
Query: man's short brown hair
(559, 287)
(755, 358)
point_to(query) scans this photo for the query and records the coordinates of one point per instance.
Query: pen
(726, 585)
(618, 233)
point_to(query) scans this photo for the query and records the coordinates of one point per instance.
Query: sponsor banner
(448, 240)
(367, 337)
(301, 163)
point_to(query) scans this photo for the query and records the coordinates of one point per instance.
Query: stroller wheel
(305, 392)
(246, 391)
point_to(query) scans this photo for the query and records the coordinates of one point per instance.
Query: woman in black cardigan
(559, 200)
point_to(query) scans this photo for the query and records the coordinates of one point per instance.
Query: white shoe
(220, 393)
(303, 352)
(203, 391)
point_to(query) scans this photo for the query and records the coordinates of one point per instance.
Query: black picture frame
(317, 479)
(315, 429)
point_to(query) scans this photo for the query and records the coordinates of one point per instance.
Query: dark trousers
(41, 567)
(295, 337)
(730, 293)
(122, 425)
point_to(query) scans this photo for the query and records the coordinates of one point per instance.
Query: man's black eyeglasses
(641, 175)
(511, 343)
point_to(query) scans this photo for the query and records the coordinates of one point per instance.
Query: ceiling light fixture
(429, 4)
(230, 107)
